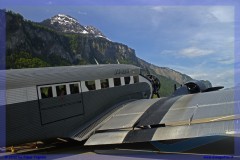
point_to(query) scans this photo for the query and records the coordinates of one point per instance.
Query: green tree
(24, 60)
(30, 63)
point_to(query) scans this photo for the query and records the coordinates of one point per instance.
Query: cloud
(218, 76)
(158, 8)
(193, 52)
(199, 76)
(224, 77)
(226, 60)
(223, 14)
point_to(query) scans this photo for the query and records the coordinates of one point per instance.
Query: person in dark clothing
(156, 87)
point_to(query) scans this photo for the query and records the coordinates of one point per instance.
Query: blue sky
(196, 40)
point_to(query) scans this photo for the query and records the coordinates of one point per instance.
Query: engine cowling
(195, 86)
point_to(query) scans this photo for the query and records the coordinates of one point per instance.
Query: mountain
(166, 72)
(62, 40)
(95, 32)
(68, 24)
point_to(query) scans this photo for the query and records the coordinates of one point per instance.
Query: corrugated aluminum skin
(136, 107)
(16, 95)
(202, 106)
(223, 128)
(21, 83)
(29, 118)
(21, 95)
(25, 123)
(128, 115)
(197, 115)
(19, 78)
(157, 111)
(88, 128)
(107, 138)
(196, 130)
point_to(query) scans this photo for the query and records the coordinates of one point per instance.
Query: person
(156, 87)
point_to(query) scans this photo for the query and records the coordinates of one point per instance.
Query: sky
(197, 40)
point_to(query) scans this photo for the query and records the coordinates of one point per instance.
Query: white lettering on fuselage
(122, 71)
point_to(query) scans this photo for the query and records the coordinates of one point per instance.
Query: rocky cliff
(62, 40)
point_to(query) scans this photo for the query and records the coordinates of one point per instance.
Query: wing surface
(189, 116)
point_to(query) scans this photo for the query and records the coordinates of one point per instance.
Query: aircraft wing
(188, 116)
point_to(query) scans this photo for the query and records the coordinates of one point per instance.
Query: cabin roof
(18, 78)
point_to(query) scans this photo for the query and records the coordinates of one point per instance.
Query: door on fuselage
(60, 101)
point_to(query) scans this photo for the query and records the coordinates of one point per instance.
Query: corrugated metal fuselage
(62, 116)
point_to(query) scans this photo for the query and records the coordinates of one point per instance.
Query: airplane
(110, 104)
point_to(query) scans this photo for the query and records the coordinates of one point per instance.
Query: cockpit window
(127, 80)
(90, 85)
(61, 90)
(46, 92)
(104, 83)
(135, 79)
(117, 81)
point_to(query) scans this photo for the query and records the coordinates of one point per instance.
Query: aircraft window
(90, 85)
(117, 81)
(104, 83)
(61, 90)
(46, 92)
(135, 79)
(127, 80)
(74, 88)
